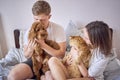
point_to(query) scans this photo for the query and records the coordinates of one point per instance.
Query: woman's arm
(97, 68)
(83, 70)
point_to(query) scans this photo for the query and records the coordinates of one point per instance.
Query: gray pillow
(71, 30)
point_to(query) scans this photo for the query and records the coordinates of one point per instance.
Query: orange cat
(84, 55)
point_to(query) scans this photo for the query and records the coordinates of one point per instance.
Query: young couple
(96, 34)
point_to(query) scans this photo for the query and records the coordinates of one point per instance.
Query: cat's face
(76, 41)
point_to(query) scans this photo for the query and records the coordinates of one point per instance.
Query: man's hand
(28, 50)
(41, 42)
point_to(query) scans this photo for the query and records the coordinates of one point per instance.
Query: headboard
(16, 38)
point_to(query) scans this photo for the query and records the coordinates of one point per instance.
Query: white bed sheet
(13, 57)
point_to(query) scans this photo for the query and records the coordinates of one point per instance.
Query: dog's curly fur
(38, 31)
(84, 55)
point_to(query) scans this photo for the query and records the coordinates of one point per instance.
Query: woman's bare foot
(48, 76)
(43, 77)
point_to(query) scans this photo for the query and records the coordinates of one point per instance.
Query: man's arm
(53, 52)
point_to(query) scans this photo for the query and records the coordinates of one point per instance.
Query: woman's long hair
(100, 36)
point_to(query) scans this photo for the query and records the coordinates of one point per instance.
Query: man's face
(42, 18)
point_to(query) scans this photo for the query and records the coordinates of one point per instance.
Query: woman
(103, 62)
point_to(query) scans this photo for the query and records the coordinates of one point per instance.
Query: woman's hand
(69, 60)
(28, 50)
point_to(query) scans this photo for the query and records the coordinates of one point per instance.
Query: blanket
(13, 57)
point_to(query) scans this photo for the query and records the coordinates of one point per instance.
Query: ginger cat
(84, 55)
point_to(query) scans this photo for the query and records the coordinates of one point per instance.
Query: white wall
(17, 14)
(13, 14)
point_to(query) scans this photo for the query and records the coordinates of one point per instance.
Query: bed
(18, 34)
(14, 55)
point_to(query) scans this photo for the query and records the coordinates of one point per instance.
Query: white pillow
(72, 30)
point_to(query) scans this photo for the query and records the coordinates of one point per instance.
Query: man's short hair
(41, 7)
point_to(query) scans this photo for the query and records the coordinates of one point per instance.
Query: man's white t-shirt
(55, 33)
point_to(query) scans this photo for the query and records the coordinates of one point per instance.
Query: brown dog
(38, 31)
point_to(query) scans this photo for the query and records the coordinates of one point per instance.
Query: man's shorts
(30, 64)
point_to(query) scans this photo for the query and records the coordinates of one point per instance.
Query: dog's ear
(34, 26)
(32, 31)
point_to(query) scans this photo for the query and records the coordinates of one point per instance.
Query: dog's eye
(43, 29)
(42, 34)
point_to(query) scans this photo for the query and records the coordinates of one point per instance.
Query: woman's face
(85, 36)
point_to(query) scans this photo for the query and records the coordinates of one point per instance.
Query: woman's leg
(57, 69)
(20, 72)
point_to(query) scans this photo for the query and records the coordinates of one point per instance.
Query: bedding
(14, 55)
(72, 30)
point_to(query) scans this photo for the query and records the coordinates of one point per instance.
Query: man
(41, 11)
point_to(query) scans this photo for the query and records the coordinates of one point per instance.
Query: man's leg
(21, 71)
(57, 69)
